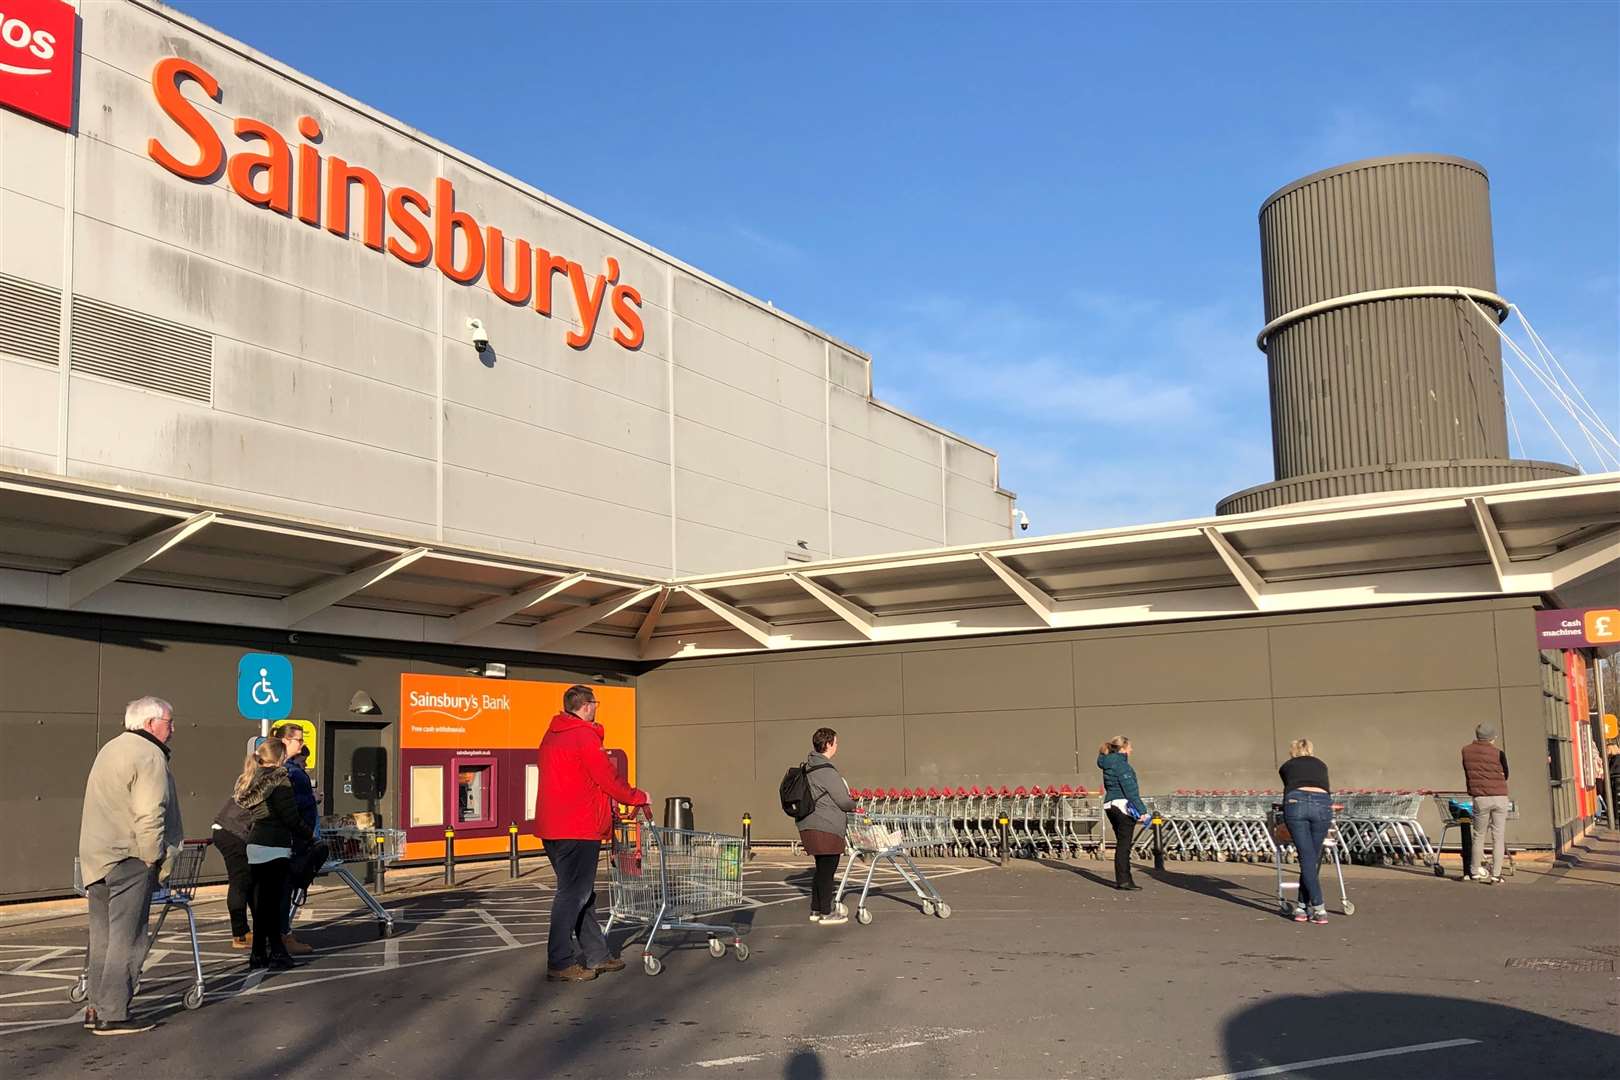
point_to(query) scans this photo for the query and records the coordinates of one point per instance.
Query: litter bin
(678, 812)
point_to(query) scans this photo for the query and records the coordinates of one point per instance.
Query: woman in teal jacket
(1122, 801)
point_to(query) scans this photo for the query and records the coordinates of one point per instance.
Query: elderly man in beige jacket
(130, 829)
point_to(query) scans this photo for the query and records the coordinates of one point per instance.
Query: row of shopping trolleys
(1374, 826)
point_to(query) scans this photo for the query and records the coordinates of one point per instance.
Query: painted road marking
(1274, 1070)
(741, 1059)
(30, 965)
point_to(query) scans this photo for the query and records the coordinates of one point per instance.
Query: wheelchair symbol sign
(264, 684)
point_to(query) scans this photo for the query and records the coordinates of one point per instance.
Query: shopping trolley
(1284, 843)
(1457, 812)
(879, 838)
(177, 892)
(351, 844)
(663, 878)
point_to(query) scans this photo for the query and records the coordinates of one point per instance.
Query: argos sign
(38, 56)
(264, 170)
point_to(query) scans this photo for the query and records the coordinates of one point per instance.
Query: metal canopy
(74, 545)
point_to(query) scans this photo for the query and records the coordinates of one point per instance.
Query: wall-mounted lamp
(364, 704)
(494, 671)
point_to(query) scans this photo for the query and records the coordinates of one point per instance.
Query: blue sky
(1040, 220)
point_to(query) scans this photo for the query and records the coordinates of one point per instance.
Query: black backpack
(798, 800)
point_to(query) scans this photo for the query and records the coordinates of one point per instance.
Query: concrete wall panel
(32, 158)
(1032, 675)
(27, 413)
(1401, 740)
(30, 238)
(1200, 665)
(681, 695)
(841, 686)
(723, 456)
(1419, 652)
(968, 747)
(1208, 744)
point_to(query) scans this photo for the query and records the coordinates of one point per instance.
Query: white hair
(142, 711)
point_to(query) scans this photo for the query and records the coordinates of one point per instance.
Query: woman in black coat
(265, 793)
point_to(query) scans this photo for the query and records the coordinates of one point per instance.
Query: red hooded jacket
(578, 783)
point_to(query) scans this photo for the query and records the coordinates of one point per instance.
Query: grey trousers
(1490, 812)
(119, 906)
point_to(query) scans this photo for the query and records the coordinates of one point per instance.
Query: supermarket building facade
(282, 376)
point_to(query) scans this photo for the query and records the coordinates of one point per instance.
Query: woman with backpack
(1122, 801)
(822, 830)
(265, 794)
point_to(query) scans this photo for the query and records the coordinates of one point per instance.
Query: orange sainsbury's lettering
(166, 78)
(495, 249)
(626, 302)
(398, 220)
(276, 162)
(339, 174)
(421, 249)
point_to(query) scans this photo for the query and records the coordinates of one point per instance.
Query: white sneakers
(833, 920)
(814, 917)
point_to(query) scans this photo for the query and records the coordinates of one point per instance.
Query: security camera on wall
(480, 336)
(1022, 519)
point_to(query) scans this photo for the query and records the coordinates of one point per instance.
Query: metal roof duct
(1382, 379)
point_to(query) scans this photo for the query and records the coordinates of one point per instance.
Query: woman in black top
(1308, 813)
(265, 794)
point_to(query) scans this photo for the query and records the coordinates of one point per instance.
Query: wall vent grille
(142, 350)
(30, 319)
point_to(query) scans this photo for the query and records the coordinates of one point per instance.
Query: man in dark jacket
(573, 815)
(307, 859)
(1485, 768)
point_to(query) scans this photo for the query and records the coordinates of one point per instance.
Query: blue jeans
(1309, 815)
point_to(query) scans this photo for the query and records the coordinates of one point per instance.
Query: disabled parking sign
(264, 685)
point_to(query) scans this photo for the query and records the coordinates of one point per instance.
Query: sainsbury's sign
(264, 170)
(38, 51)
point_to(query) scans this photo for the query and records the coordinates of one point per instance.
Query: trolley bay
(1041, 970)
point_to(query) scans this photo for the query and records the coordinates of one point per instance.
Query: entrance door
(357, 768)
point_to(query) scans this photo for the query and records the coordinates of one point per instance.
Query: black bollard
(1001, 832)
(512, 850)
(449, 856)
(378, 864)
(1158, 842)
(748, 836)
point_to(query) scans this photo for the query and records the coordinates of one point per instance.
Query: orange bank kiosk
(467, 757)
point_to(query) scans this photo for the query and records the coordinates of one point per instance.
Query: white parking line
(741, 1059)
(1274, 1070)
(500, 931)
(30, 965)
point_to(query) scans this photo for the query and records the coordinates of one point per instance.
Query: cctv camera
(1022, 519)
(480, 336)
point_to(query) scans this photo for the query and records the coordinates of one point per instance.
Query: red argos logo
(38, 59)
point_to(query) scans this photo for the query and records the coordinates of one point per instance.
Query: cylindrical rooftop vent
(1383, 377)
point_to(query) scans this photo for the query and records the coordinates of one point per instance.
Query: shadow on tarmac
(1321, 1032)
(1219, 888)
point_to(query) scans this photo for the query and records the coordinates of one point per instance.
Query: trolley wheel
(1349, 908)
(193, 998)
(741, 950)
(943, 910)
(1439, 871)
(717, 948)
(863, 917)
(79, 991)
(651, 964)
(928, 907)
(841, 907)
(385, 930)
(1285, 907)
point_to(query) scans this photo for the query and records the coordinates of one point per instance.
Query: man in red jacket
(578, 787)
